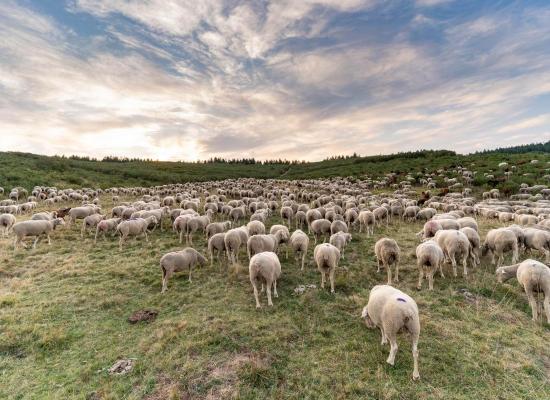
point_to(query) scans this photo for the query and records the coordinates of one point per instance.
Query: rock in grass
(143, 315)
(122, 367)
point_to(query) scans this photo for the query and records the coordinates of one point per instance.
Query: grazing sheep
(475, 242)
(260, 243)
(429, 258)
(300, 218)
(312, 215)
(326, 257)
(456, 247)
(195, 224)
(429, 230)
(320, 227)
(82, 212)
(467, 222)
(217, 227)
(381, 213)
(44, 216)
(134, 227)
(299, 242)
(256, 228)
(34, 228)
(387, 254)
(497, 242)
(286, 214)
(340, 240)
(264, 268)
(391, 310)
(338, 226)
(6, 223)
(180, 225)
(234, 239)
(90, 221)
(534, 276)
(367, 220)
(285, 236)
(537, 239)
(216, 244)
(106, 225)
(178, 261)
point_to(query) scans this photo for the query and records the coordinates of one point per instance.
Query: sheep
(299, 242)
(82, 212)
(327, 257)
(194, 224)
(320, 227)
(475, 242)
(379, 214)
(456, 247)
(217, 227)
(411, 212)
(285, 237)
(134, 227)
(286, 214)
(537, 239)
(234, 239)
(429, 230)
(534, 276)
(34, 228)
(429, 258)
(6, 223)
(90, 221)
(237, 213)
(312, 215)
(300, 218)
(391, 310)
(44, 216)
(264, 268)
(497, 242)
(255, 228)
(467, 222)
(338, 226)
(216, 243)
(106, 225)
(260, 243)
(387, 254)
(178, 261)
(340, 240)
(366, 219)
(180, 225)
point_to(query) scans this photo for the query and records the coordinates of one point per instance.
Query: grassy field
(64, 310)
(29, 170)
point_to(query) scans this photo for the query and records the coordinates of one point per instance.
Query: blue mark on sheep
(400, 299)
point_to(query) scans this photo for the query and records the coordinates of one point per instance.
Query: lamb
(429, 258)
(534, 276)
(264, 268)
(320, 227)
(299, 242)
(327, 257)
(106, 225)
(255, 228)
(387, 254)
(34, 228)
(6, 223)
(497, 242)
(178, 261)
(456, 247)
(366, 219)
(391, 310)
(217, 227)
(216, 244)
(134, 227)
(537, 239)
(340, 240)
(234, 239)
(260, 243)
(91, 221)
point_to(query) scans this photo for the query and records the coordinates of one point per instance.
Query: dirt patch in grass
(168, 389)
(143, 316)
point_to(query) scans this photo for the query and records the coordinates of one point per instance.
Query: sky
(292, 79)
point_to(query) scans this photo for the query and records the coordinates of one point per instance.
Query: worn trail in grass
(64, 310)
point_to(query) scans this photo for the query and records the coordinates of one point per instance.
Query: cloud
(301, 80)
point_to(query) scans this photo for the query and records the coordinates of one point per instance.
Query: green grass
(64, 310)
(29, 170)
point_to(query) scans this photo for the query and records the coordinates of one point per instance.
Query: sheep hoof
(391, 362)
(416, 377)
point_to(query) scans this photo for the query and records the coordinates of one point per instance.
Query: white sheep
(366, 219)
(255, 228)
(391, 310)
(6, 223)
(177, 261)
(497, 242)
(429, 258)
(299, 242)
(320, 227)
(340, 240)
(264, 268)
(537, 239)
(34, 228)
(534, 276)
(234, 239)
(387, 254)
(456, 247)
(134, 227)
(217, 227)
(261, 243)
(326, 257)
(216, 245)
(90, 221)
(106, 225)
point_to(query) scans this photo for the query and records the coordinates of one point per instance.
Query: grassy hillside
(64, 310)
(28, 170)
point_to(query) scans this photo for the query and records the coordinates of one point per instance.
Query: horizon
(272, 80)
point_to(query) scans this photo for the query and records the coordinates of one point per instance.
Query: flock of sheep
(232, 216)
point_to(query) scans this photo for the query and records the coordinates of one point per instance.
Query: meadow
(64, 310)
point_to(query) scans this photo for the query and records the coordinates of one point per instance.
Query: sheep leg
(258, 305)
(331, 276)
(322, 280)
(275, 289)
(120, 241)
(453, 262)
(35, 242)
(181, 236)
(378, 269)
(49, 240)
(547, 305)
(164, 280)
(389, 273)
(384, 337)
(441, 269)
(146, 237)
(532, 302)
(393, 348)
(431, 280)
(190, 274)
(396, 272)
(268, 289)
(416, 374)
(303, 260)
(420, 276)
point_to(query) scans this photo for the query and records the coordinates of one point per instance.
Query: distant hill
(28, 170)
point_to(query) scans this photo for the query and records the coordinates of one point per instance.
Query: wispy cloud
(188, 80)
